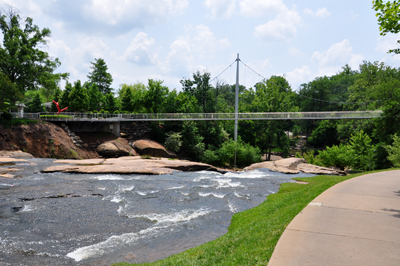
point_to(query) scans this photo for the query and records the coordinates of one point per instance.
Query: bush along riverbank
(254, 233)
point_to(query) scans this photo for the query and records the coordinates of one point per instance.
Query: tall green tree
(388, 14)
(35, 105)
(274, 95)
(155, 96)
(95, 97)
(65, 99)
(79, 100)
(100, 76)
(110, 103)
(200, 87)
(56, 98)
(21, 58)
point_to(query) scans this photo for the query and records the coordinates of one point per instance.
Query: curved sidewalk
(356, 222)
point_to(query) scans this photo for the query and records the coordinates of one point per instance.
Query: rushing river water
(85, 219)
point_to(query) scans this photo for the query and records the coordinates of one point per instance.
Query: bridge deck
(97, 117)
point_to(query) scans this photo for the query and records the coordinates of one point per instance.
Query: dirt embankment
(42, 140)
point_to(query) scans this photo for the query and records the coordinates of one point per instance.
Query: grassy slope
(254, 233)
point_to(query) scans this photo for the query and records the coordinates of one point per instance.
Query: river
(86, 219)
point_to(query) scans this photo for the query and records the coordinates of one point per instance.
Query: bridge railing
(102, 117)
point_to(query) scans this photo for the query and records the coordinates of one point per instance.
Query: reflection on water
(82, 219)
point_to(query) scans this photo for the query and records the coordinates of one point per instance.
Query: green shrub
(173, 142)
(337, 156)
(210, 157)
(145, 156)
(394, 151)
(245, 154)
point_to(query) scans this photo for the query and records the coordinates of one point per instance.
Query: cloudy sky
(170, 39)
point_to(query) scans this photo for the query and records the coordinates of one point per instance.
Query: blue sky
(170, 39)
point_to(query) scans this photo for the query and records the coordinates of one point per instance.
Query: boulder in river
(115, 148)
(153, 148)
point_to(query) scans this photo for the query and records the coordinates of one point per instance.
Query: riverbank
(254, 233)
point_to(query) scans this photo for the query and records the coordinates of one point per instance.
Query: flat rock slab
(294, 166)
(127, 165)
(11, 160)
(15, 154)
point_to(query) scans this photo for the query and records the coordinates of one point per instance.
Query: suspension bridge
(111, 122)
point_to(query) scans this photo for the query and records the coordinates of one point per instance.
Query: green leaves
(21, 57)
(388, 15)
(100, 76)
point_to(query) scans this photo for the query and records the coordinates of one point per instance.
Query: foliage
(245, 154)
(154, 96)
(95, 97)
(394, 151)
(8, 89)
(173, 142)
(358, 154)
(65, 98)
(325, 134)
(21, 58)
(145, 156)
(200, 88)
(337, 156)
(56, 98)
(5, 119)
(79, 99)
(35, 105)
(57, 116)
(100, 76)
(388, 18)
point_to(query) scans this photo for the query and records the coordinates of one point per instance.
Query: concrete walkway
(356, 222)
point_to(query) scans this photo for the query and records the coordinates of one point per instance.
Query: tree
(95, 97)
(21, 57)
(388, 18)
(126, 101)
(56, 98)
(100, 76)
(200, 87)
(110, 103)
(35, 105)
(65, 99)
(155, 96)
(274, 95)
(79, 99)
(7, 90)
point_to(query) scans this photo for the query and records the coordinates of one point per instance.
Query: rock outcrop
(295, 166)
(128, 165)
(116, 148)
(152, 148)
(42, 140)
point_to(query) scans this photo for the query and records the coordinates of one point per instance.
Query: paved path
(356, 222)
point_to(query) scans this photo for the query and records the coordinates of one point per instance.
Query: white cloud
(221, 8)
(295, 52)
(247, 8)
(139, 50)
(77, 60)
(115, 16)
(321, 12)
(298, 76)
(282, 28)
(257, 8)
(385, 44)
(199, 42)
(335, 57)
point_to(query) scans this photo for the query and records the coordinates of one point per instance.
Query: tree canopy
(100, 76)
(388, 14)
(22, 59)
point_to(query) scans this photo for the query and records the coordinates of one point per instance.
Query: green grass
(56, 116)
(254, 233)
